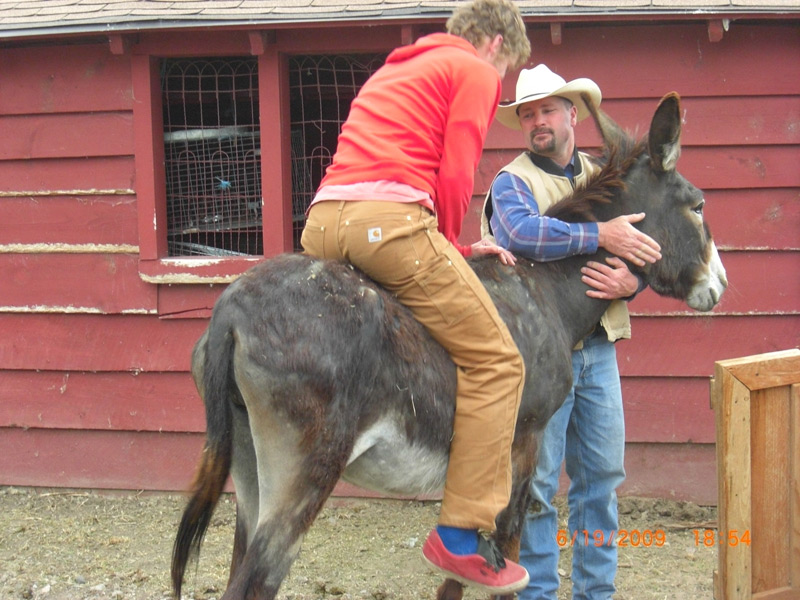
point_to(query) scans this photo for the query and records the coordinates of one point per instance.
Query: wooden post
(757, 404)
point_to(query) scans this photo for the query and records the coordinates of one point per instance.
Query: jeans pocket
(446, 289)
(313, 240)
(383, 248)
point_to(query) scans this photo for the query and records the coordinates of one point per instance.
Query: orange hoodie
(422, 119)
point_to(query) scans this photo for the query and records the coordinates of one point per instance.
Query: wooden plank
(784, 593)
(98, 459)
(54, 78)
(758, 218)
(130, 460)
(70, 219)
(67, 174)
(207, 270)
(192, 43)
(66, 135)
(661, 346)
(104, 283)
(683, 472)
(99, 343)
(794, 494)
(668, 410)
(769, 288)
(757, 454)
(739, 167)
(767, 218)
(187, 301)
(708, 121)
(336, 38)
(676, 471)
(771, 480)
(734, 482)
(693, 66)
(116, 401)
(766, 370)
(275, 157)
(689, 346)
(149, 157)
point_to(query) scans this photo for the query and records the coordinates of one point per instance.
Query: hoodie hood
(430, 42)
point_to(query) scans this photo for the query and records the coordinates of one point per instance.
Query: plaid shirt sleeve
(518, 226)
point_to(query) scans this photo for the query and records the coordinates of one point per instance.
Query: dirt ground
(75, 545)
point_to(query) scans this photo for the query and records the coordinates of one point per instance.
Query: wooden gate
(757, 404)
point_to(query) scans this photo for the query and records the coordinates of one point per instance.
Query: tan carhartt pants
(399, 246)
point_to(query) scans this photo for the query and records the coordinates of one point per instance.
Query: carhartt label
(374, 235)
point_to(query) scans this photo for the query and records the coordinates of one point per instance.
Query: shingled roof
(34, 18)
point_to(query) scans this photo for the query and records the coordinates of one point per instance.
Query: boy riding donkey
(392, 204)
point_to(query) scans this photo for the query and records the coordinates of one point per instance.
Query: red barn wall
(95, 386)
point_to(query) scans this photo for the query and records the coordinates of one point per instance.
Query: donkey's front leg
(508, 541)
(450, 590)
(511, 520)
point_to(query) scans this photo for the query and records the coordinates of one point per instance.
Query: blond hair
(484, 19)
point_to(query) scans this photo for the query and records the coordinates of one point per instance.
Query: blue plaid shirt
(518, 225)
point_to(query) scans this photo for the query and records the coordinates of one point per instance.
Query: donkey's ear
(611, 133)
(664, 141)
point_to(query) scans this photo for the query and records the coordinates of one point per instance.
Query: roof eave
(133, 25)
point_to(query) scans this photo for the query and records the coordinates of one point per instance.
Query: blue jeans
(589, 432)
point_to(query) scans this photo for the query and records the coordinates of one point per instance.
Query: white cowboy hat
(540, 82)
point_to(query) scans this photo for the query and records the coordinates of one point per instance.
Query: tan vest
(548, 189)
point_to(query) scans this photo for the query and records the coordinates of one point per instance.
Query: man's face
(548, 126)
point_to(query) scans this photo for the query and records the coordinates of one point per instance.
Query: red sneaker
(487, 570)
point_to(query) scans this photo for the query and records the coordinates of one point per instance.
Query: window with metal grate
(212, 156)
(321, 88)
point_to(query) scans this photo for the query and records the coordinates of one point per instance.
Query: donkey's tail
(214, 355)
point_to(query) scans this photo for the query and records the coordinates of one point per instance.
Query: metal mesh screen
(212, 156)
(321, 90)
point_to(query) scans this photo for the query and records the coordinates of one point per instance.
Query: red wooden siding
(107, 283)
(64, 79)
(96, 342)
(106, 401)
(69, 219)
(714, 121)
(67, 174)
(165, 461)
(63, 135)
(647, 60)
(94, 358)
(752, 167)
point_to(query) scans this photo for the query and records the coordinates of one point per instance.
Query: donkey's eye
(698, 208)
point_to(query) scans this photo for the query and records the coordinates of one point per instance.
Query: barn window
(321, 89)
(212, 145)
(208, 130)
(212, 156)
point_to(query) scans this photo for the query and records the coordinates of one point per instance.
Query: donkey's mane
(618, 157)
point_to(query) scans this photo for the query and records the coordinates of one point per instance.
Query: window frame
(155, 265)
(272, 49)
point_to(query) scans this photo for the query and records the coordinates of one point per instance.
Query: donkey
(310, 372)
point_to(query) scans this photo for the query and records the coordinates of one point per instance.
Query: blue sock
(457, 540)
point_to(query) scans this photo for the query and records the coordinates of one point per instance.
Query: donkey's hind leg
(244, 472)
(297, 466)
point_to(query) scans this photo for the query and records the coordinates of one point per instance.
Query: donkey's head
(690, 268)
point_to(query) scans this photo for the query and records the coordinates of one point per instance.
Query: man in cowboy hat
(588, 430)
